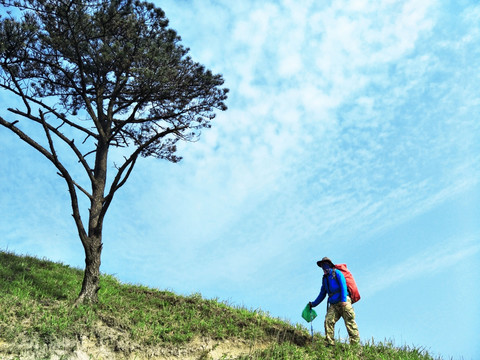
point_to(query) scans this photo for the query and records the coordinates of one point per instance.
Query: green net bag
(308, 314)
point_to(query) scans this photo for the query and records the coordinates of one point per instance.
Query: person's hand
(343, 303)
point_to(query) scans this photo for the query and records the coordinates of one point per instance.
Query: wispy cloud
(447, 254)
(346, 119)
(323, 113)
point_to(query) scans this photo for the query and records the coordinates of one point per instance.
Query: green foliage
(37, 297)
(93, 75)
(41, 294)
(117, 62)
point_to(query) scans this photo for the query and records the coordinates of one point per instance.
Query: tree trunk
(90, 285)
(93, 242)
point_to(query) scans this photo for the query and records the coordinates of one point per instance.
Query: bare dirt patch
(90, 349)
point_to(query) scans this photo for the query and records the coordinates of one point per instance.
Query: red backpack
(351, 285)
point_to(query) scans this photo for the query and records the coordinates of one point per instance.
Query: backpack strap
(325, 277)
(338, 281)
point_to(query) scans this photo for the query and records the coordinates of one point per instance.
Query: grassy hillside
(38, 321)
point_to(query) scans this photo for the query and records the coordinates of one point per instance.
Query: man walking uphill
(339, 302)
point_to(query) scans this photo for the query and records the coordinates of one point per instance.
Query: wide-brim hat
(325, 260)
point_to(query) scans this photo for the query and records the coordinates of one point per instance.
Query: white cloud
(345, 118)
(429, 261)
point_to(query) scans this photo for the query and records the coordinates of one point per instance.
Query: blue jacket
(335, 285)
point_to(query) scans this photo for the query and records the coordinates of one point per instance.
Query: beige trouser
(334, 313)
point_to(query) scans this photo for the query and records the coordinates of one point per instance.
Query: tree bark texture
(92, 243)
(91, 279)
(102, 74)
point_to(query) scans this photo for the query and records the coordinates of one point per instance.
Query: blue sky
(352, 132)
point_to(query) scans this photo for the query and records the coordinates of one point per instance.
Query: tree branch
(20, 91)
(55, 157)
(49, 108)
(58, 165)
(83, 83)
(79, 187)
(127, 167)
(68, 141)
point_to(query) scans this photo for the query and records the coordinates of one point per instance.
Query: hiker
(339, 302)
